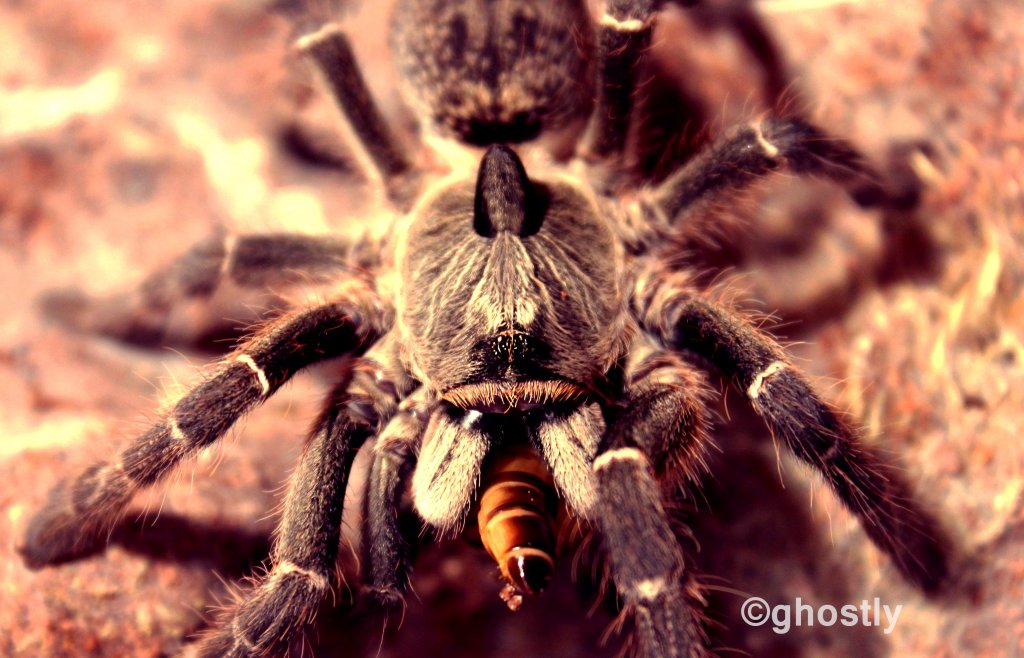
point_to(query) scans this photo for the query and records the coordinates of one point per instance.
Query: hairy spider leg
(663, 411)
(645, 559)
(141, 316)
(303, 561)
(742, 19)
(869, 483)
(79, 514)
(739, 160)
(382, 154)
(386, 552)
(657, 433)
(624, 34)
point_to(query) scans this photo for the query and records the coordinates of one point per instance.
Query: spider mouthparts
(529, 569)
(502, 397)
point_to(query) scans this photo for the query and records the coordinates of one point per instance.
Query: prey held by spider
(520, 338)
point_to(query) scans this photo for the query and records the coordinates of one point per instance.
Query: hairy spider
(520, 338)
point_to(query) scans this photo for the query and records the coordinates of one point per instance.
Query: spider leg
(645, 559)
(330, 54)
(657, 432)
(79, 514)
(251, 261)
(662, 412)
(869, 483)
(624, 33)
(386, 551)
(742, 18)
(306, 548)
(736, 162)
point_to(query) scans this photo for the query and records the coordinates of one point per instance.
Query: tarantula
(529, 330)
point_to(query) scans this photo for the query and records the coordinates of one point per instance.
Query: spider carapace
(521, 337)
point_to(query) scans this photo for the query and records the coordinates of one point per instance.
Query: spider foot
(108, 316)
(60, 532)
(384, 600)
(271, 618)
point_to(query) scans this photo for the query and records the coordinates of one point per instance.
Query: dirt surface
(130, 131)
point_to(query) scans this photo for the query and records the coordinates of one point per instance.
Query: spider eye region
(515, 345)
(513, 354)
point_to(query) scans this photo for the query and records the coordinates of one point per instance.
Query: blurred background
(131, 131)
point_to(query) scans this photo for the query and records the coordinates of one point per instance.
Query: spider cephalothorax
(509, 281)
(520, 338)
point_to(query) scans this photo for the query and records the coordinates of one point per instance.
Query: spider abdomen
(495, 72)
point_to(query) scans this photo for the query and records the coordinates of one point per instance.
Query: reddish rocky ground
(129, 131)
